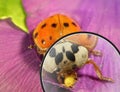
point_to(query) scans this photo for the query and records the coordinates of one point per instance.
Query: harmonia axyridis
(64, 57)
(51, 29)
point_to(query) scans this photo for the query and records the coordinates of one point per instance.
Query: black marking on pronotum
(58, 58)
(63, 49)
(52, 52)
(74, 24)
(44, 25)
(74, 48)
(89, 35)
(54, 25)
(70, 56)
(66, 24)
(36, 34)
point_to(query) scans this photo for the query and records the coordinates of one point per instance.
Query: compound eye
(43, 41)
(74, 48)
(52, 52)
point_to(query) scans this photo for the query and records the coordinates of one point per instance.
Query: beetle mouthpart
(65, 62)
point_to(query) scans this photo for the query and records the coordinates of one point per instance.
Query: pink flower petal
(19, 66)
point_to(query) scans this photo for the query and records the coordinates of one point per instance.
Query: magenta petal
(110, 66)
(99, 16)
(19, 66)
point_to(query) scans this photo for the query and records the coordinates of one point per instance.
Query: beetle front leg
(98, 71)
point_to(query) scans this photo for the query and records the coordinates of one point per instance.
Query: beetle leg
(96, 53)
(30, 46)
(60, 78)
(98, 71)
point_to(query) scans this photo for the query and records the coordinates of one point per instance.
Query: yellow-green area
(14, 10)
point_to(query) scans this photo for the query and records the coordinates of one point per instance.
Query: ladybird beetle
(51, 29)
(64, 57)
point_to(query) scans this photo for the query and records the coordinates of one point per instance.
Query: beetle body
(51, 29)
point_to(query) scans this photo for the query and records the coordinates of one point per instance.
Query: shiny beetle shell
(51, 29)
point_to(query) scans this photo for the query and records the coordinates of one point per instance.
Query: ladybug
(64, 57)
(51, 29)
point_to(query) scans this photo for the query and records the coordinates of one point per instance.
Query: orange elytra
(51, 29)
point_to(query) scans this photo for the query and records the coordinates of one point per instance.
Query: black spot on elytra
(63, 49)
(74, 24)
(50, 37)
(66, 25)
(54, 25)
(52, 52)
(43, 41)
(58, 58)
(36, 34)
(74, 48)
(44, 25)
(70, 56)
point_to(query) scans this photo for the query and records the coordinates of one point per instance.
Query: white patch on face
(49, 64)
(81, 56)
(66, 45)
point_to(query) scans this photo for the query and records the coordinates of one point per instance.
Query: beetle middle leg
(98, 71)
